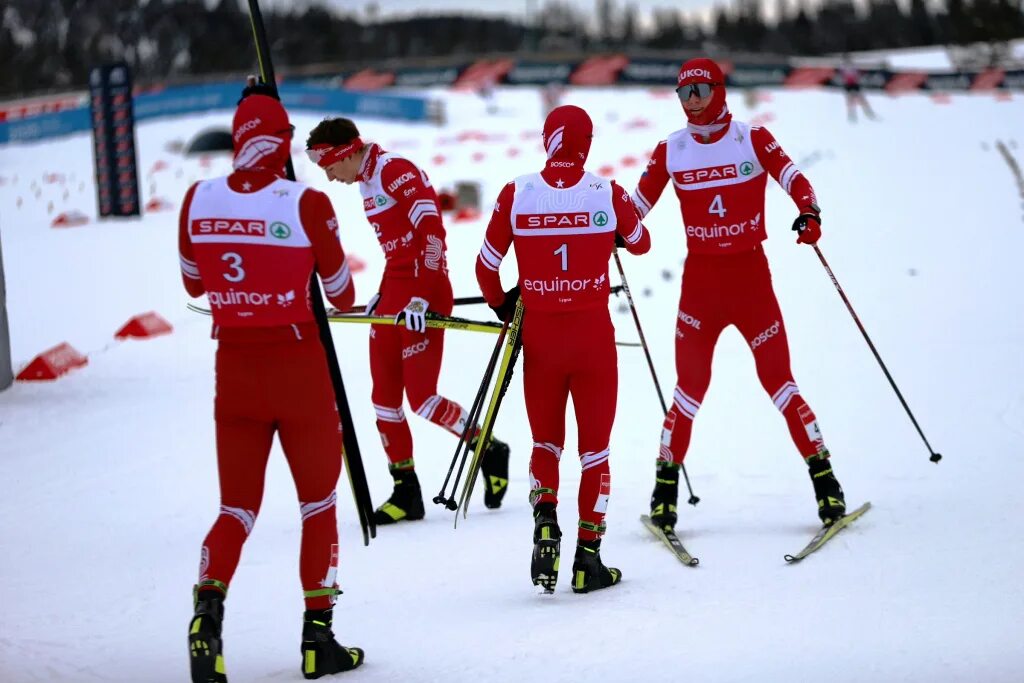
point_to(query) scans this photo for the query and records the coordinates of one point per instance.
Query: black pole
(353, 460)
(650, 363)
(935, 457)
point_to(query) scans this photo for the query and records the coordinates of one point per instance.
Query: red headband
(324, 155)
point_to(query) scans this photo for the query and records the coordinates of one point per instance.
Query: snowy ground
(108, 484)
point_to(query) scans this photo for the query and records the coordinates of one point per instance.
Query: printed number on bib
(564, 251)
(235, 264)
(716, 206)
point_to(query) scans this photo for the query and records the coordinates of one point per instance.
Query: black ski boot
(546, 547)
(206, 649)
(494, 466)
(588, 571)
(831, 501)
(406, 501)
(665, 496)
(321, 653)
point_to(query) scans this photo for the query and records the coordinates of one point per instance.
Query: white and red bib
(721, 188)
(253, 254)
(563, 239)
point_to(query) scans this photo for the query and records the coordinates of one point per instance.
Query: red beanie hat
(704, 70)
(261, 133)
(568, 131)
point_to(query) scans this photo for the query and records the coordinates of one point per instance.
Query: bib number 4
(717, 207)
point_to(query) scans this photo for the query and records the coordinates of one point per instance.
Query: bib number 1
(564, 252)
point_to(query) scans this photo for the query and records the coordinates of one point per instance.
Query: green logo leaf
(746, 168)
(381, 200)
(600, 218)
(280, 231)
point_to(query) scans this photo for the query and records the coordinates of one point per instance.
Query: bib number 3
(234, 261)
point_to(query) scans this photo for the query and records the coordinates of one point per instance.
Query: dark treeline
(51, 45)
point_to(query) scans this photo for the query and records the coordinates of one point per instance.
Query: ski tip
(791, 558)
(694, 561)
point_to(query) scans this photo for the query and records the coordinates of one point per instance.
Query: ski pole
(513, 345)
(471, 420)
(350, 444)
(650, 362)
(935, 457)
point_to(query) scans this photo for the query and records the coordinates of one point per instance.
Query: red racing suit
(402, 208)
(721, 186)
(563, 225)
(250, 241)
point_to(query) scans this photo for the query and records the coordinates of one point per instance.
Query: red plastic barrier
(69, 219)
(158, 204)
(53, 363)
(144, 326)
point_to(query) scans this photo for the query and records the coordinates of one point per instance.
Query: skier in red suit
(719, 169)
(402, 207)
(564, 223)
(250, 241)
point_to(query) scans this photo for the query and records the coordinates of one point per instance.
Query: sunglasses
(701, 90)
(290, 130)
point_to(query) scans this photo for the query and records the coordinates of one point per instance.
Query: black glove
(254, 87)
(620, 243)
(508, 306)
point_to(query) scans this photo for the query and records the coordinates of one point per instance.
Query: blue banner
(180, 100)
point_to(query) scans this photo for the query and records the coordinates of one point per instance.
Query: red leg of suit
(760, 322)
(263, 388)
(408, 362)
(571, 354)
(723, 290)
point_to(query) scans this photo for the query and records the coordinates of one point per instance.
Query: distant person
(487, 94)
(403, 209)
(564, 223)
(250, 241)
(551, 97)
(719, 169)
(850, 75)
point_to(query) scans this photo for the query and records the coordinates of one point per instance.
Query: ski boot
(206, 649)
(665, 496)
(321, 653)
(831, 501)
(406, 501)
(546, 546)
(588, 571)
(494, 465)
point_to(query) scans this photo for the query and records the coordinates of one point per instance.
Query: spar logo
(381, 200)
(772, 330)
(577, 219)
(746, 168)
(280, 230)
(707, 175)
(600, 218)
(229, 226)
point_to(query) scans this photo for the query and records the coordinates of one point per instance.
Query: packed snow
(108, 481)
